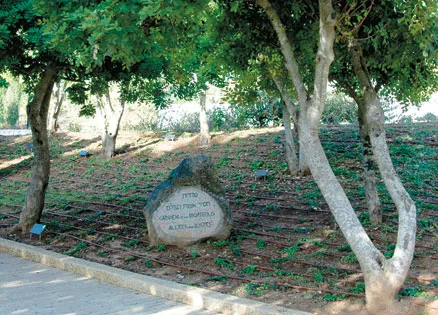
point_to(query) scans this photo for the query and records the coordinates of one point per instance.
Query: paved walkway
(15, 132)
(31, 288)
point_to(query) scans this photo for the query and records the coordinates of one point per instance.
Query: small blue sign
(37, 229)
(261, 173)
(84, 153)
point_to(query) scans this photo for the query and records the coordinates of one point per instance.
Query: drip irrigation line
(289, 260)
(67, 207)
(105, 233)
(10, 205)
(10, 215)
(90, 220)
(174, 248)
(269, 215)
(95, 203)
(117, 195)
(277, 284)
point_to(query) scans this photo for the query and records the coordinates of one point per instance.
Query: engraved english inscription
(189, 212)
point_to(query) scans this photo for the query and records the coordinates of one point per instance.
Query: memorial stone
(189, 207)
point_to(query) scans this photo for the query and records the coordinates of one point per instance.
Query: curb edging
(196, 297)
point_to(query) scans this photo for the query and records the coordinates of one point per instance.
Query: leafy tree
(23, 51)
(381, 43)
(294, 25)
(49, 40)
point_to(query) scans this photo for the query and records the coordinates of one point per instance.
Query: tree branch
(286, 49)
(325, 55)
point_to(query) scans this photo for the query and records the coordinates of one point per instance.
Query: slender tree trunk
(395, 270)
(110, 114)
(37, 111)
(368, 159)
(370, 167)
(383, 277)
(203, 120)
(291, 152)
(303, 163)
(290, 111)
(60, 95)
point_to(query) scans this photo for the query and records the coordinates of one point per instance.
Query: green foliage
(218, 278)
(291, 251)
(87, 110)
(224, 263)
(249, 270)
(412, 291)
(76, 249)
(333, 297)
(12, 114)
(255, 289)
(131, 243)
(102, 253)
(350, 258)
(261, 244)
(262, 112)
(220, 118)
(428, 117)
(339, 108)
(161, 248)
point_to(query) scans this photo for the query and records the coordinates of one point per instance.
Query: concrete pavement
(30, 288)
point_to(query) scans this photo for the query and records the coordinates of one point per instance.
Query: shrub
(339, 108)
(12, 114)
(429, 117)
(74, 127)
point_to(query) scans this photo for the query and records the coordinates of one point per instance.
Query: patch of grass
(76, 249)
(358, 288)
(291, 251)
(129, 258)
(109, 237)
(131, 243)
(225, 263)
(255, 289)
(350, 258)
(218, 278)
(261, 244)
(334, 297)
(161, 248)
(412, 291)
(249, 270)
(102, 253)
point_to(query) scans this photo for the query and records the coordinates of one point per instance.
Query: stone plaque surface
(189, 207)
(189, 213)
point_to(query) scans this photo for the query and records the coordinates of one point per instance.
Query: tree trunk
(368, 159)
(291, 152)
(383, 277)
(290, 111)
(203, 120)
(303, 163)
(370, 167)
(396, 268)
(111, 114)
(60, 95)
(37, 111)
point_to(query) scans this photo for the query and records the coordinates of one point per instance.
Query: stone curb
(196, 297)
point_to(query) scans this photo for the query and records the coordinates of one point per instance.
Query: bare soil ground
(285, 247)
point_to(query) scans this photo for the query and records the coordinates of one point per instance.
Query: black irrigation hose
(278, 284)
